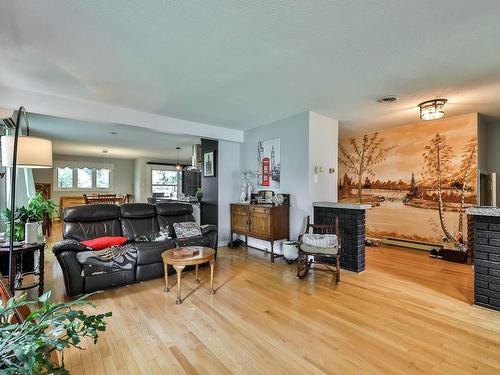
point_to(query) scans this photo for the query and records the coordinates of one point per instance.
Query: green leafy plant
(199, 194)
(26, 348)
(37, 208)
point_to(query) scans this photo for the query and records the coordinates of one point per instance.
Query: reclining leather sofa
(133, 221)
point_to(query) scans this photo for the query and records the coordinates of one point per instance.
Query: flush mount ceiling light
(178, 166)
(388, 99)
(432, 109)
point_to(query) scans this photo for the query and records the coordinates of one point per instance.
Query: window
(70, 176)
(64, 178)
(84, 178)
(102, 178)
(164, 182)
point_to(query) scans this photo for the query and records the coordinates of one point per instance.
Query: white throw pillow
(320, 240)
(187, 230)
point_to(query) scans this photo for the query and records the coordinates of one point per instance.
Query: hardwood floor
(405, 314)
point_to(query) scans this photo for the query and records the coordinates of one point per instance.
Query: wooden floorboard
(406, 314)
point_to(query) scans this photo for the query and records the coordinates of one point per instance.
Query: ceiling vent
(388, 99)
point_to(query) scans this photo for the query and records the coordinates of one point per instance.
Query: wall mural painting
(269, 164)
(419, 179)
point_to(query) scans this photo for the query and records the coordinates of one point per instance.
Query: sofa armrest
(67, 245)
(210, 231)
(207, 228)
(72, 271)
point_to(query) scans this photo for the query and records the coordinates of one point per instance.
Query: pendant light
(178, 166)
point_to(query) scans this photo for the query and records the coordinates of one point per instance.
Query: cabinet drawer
(240, 210)
(260, 210)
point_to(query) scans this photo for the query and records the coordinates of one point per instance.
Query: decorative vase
(249, 192)
(31, 232)
(290, 251)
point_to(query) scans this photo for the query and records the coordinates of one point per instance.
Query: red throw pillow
(104, 242)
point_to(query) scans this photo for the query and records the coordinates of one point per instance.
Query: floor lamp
(21, 152)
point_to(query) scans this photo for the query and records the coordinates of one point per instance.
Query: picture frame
(209, 163)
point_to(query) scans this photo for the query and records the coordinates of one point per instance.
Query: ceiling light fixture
(432, 109)
(178, 166)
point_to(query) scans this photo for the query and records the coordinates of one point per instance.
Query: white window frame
(75, 165)
(163, 168)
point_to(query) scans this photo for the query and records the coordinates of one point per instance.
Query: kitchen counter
(483, 211)
(348, 206)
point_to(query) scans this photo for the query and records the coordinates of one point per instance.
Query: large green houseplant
(26, 347)
(34, 212)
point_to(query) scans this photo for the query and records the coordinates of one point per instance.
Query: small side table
(18, 253)
(179, 263)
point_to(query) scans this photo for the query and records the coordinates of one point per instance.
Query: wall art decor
(269, 164)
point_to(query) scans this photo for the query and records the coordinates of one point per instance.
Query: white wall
(323, 156)
(228, 174)
(123, 174)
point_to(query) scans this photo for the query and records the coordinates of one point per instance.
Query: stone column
(486, 250)
(352, 230)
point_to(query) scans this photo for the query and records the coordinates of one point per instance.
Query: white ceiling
(243, 64)
(73, 137)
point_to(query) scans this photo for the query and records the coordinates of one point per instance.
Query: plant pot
(453, 255)
(290, 251)
(31, 234)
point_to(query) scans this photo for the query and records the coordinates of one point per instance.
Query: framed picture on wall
(209, 164)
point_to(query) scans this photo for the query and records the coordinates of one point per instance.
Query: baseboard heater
(419, 245)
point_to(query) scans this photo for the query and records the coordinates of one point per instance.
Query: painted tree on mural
(466, 170)
(437, 157)
(364, 157)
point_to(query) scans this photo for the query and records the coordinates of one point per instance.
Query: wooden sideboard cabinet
(68, 201)
(262, 221)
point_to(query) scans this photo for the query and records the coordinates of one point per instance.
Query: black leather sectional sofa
(132, 221)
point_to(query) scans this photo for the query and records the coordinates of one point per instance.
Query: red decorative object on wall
(266, 175)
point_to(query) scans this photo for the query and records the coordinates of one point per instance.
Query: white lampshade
(32, 152)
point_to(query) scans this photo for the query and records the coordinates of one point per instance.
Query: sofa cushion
(173, 209)
(172, 212)
(150, 252)
(91, 221)
(138, 219)
(91, 212)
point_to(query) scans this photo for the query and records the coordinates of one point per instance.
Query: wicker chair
(324, 255)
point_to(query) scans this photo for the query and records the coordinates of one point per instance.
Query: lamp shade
(32, 152)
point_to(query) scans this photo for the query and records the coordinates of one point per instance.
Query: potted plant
(199, 194)
(27, 347)
(28, 219)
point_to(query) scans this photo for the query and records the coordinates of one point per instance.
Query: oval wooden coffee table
(205, 255)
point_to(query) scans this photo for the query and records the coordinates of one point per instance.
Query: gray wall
(294, 135)
(123, 175)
